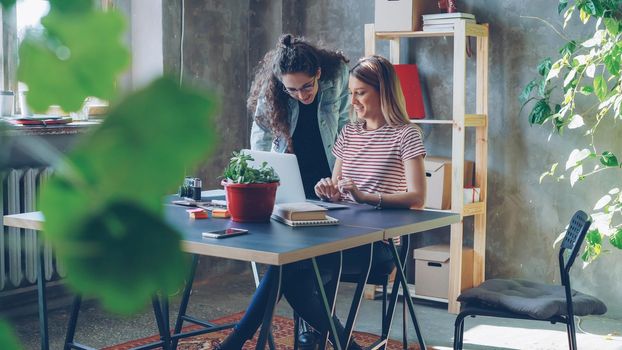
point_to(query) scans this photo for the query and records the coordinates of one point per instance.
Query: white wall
(146, 41)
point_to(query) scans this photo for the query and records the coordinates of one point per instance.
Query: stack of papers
(444, 22)
(40, 120)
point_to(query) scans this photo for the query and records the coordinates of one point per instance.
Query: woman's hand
(346, 185)
(326, 190)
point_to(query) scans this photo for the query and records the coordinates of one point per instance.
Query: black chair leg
(572, 334)
(459, 331)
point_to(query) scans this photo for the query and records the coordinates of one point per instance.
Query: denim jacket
(333, 114)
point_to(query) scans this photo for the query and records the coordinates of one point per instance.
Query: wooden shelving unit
(459, 122)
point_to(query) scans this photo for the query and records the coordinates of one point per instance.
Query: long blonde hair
(379, 73)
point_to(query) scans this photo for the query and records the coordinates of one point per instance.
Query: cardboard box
(402, 15)
(432, 270)
(438, 176)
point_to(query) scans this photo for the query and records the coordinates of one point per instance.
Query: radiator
(19, 253)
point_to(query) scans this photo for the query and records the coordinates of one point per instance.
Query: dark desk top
(271, 243)
(394, 222)
(275, 243)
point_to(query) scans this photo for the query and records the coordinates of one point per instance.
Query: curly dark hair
(291, 55)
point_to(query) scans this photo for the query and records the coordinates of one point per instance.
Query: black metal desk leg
(73, 320)
(406, 296)
(266, 325)
(356, 299)
(328, 308)
(184, 300)
(43, 308)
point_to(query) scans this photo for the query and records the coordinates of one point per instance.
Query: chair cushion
(537, 300)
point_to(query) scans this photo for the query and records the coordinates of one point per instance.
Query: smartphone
(229, 232)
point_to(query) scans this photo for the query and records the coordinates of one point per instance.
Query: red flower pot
(250, 202)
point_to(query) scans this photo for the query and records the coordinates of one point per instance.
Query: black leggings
(298, 286)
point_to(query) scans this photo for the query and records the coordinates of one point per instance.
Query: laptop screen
(286, 166)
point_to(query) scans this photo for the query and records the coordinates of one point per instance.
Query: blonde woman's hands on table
(345, 185)
(327, 190)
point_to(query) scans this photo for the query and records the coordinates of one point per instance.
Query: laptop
(291, 188)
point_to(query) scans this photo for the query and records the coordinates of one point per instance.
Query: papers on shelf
(444, 22)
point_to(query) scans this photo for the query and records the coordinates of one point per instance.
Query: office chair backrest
(575, 234)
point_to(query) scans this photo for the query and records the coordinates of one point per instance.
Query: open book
(328, 220)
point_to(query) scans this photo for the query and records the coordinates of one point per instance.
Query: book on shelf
(299, 211)
(439, 28)
(328, 220)
(454, 15)
(445, 21)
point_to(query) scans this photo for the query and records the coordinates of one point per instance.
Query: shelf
(472, 29)
(460, 121)
(432, 121)
(474, 209)
(470, 120)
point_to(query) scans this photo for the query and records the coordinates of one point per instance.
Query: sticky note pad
(220, 213)
(197, 213)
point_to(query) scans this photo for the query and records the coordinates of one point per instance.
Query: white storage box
(438, 179)
(432, 270)
(402, 15)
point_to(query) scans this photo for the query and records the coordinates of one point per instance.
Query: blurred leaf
(69, 6)
(612, 63)
(524, 96)
(562, 5)
(616, 239)
(576, 157)
(576, 122)
(7, 339)
(569, 48)
(79, 55)
(593, 237)
(576, 175)
(540, 112)
(612, 25)
(608, 159)
(125, 167)
(600, 87)
(544, 67)
(586, 90)
(123, 255)
(604, 200)
(7, 3)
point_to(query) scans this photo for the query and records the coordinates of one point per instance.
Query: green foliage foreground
(588, 77)
(103, 207)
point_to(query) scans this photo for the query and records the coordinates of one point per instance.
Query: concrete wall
(224, 40)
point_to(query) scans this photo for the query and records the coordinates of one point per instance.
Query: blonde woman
(380, 155)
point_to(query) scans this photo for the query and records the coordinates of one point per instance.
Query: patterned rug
(282, 329)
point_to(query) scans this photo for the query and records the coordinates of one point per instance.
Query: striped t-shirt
(374, 159)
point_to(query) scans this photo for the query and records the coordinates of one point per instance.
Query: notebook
(328, 221)
(286, 166)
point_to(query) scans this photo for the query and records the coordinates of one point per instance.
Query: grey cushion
(538, 300)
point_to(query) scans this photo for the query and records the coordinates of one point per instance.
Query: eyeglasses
(308, 87)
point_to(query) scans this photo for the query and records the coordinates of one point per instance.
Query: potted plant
(250, 192)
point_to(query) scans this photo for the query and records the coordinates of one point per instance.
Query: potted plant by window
(250, 192)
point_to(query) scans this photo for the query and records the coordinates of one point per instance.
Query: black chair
(526, 300)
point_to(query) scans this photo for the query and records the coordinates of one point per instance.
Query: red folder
(411, 87)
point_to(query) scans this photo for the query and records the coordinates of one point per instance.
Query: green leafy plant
(103, 206)
(581, 91)
(240, 172)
